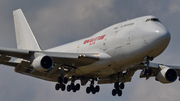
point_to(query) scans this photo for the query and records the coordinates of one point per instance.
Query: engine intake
(42, 63)
(167, 75)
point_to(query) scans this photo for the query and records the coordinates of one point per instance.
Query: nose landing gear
(146, 71)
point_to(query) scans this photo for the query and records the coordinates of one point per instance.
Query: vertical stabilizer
(24, 36)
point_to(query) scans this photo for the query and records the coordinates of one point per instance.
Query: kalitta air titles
(93, 40)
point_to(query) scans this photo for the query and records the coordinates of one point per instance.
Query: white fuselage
(120, 46)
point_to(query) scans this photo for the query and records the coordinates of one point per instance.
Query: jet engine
(167, 75)
(42, 63)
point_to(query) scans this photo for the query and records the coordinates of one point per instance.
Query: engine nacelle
(42, 63)
(167, 75)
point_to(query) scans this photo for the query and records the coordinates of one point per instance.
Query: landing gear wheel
(114, 92)
(65, 80)
(74, 90)
(68, 88)
(97, 88)
(60, 79)
(119, 92)
(116, 85)
(88, 90)
(72, 85)
(93, 91)
(63, 87)
(78, 86)
(57, 86)
(121, 86)
(91, 87)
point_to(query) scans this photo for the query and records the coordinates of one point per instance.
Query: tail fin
(24, 36)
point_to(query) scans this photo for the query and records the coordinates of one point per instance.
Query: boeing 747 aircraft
(112, 55)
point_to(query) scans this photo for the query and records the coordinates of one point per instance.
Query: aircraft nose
(160, 40)
(157, 39)
(163, 35)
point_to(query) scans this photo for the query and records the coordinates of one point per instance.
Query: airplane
(111, 56)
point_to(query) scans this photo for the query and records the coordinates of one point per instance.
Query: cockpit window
(153, 19)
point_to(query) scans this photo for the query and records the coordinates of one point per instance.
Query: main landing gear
(72, 86)
(62, 84)
(118, 87)
(92, 88)
(62, 81)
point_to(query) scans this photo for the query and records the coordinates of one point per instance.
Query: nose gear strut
(146, 71)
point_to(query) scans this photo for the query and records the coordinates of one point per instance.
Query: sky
(56, 22)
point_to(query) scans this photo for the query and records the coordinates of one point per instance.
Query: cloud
(152, 90)
(67, 22)
(174, 6)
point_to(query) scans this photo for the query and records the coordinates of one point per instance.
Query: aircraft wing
(23, 63)
(156, 69)
(159, 71)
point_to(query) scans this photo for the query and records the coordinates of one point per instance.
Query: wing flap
(38, 74)
(14, 52)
